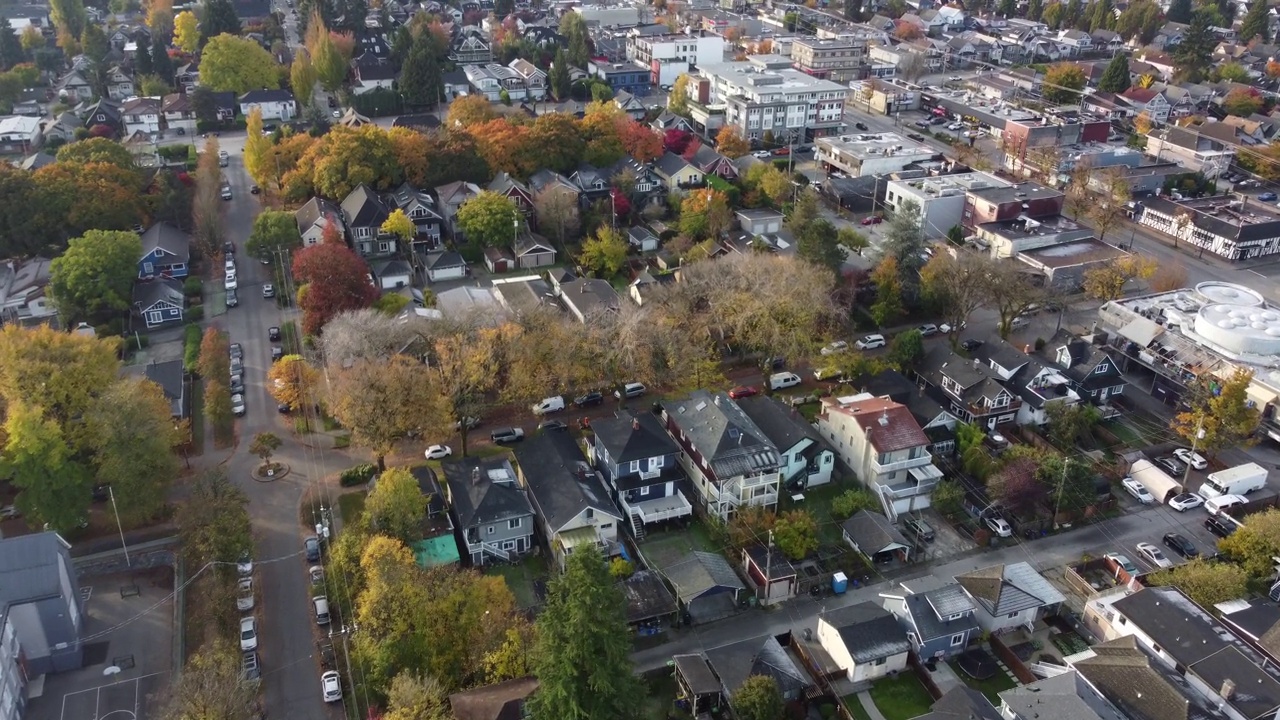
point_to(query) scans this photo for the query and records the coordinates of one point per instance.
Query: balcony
(895, 466)
(659, 509)
(488, 548)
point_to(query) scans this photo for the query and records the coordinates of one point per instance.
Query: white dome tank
(1229, 294)
(1240, 329)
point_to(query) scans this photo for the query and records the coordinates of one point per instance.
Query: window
(957, 616)
(1102, 367)
(957, 639)
(514, 523)
(508, 545)
(490, 530)
(1013, 615)
(635, 466)
(879, 661)
(644, 491)
(590, 513)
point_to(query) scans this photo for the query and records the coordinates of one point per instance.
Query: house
(961, 703)
(471, 49)
(1038, 385)
(273, 104)
(677, 173)
(1257, 621)
(421, 209)
(374, 74)
(573, 508)
(171, 376)
(805, 459)
(482, 81)
(391, 273)
(158, 301)
(314, 217)
(141, 115)
(647, 187)
(1107, 41)
(120, 84)
(187, 77)
(451, 197)
(532, 251)
(1076, 42)
(647, 283)
(490, 509)
(865, 640)
(20, 135)
(969, 390)
(710, 162)
(24, 297)
(642, 238)
(1140, 688)
(166, 250)
(104, 113)
(875, 537)
(500, 701)
(630, 105)
(1146, 100)
(1091, 370)
(224, 106)
(514, 190)
(363, 213)
(456, 84)
(668, 120)
(73, 87)
(1008, 597)
(533, 78)
(544, 181)
(444, 265)
(42, 620)
(587, 298)
(178, 113)
(544, 37)
(762, 221)
(639, 463)
(722, 671)
(593, 183)
(883, 444)
(937, 615)
(61, 128)
(726, 456)
(1062, 696)
(438, 545)
(774, 577)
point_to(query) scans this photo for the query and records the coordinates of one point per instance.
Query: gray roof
(868, 631)
(962, 703)
(29, 568)
(544, 178)
(697, 674)
(315, 208)
(670, 164)
(591, 296)
(1007, 589)
(147, 294)
(782, 425)
(172, 239)
(169, 376)
(390, 268)
(699, 572)
(1065, 697)
(1143, 690)
(930, 611)
(721, 432)
(872, 533)
(736, 662)
(503, 184)
(363, 208)
(265, 96)
(633, 436)
(484, 490)
(647, 596)
(1003, 354)
(444, 259)
(560, 481)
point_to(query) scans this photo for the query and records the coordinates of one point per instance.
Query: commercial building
(870, 153)
(941, 199)
(1012, 202)
(839, 60)
(1027, 138)
(668, 56)
(764, 94)
(1235, 227)
(1064, 265)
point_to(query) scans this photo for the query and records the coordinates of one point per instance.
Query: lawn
(659, 697)
(818, 502)
(901, 697)
(991, 687)
(1126, 434)
(855, 708)
(520, 579)
(669, 546)
(350, 506)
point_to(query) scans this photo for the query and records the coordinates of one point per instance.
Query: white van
(630, 390)
(321, 604)
(546, 406)
(780, 381)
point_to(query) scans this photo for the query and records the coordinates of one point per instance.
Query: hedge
(358, 475)
(192, 287)
(191, 347)
(195, 313)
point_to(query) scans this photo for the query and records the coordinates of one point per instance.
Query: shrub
(1039, 344)
(191, 347)
(192, 287)
(358, 475)
(844, 505)
(982, 537)
(195, 313)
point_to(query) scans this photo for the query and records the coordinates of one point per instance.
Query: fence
(922, 672)
(1011, 661)
(828, 694)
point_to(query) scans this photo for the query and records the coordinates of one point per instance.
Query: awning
(1141, 331)
(577, 536)
(925, 472)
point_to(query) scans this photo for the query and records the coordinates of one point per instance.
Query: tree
(32, 41)
(344, 159)
(888, 305)
(94, 278)
(1017, 487)
(758, 699)
(382, 402)
(69, 17)
(678, 98)
(264, 446)
(557, 211)
(1253, 545)
(1010, 293)
(730, 143)
(605, 252)
(558, 77)
(639, 141)
(94, 43)
(303, 77)
(133, 436)
(54, 488)
(1221, 414)
(906, 349)
(337, 280)
(582, 655)
(1143, 123)
(421, 79)
(907, 31)
(160, 19)
(219, 18)
(1207, 583)
(489, 220)
(331, 67)
(844, 505)
(796, 533)
(905, 242)
(1069, 423)
(1115, 79)
(819, 243)
(258, 150)
(1052, 15)
(186, 31)
(294, 382)
(274, 231)
(1233, 71)
(11, 50)
(236, 64)
(1107, 281)
(97, 150)
(399, 224)
(1193, 56)
(1063, 83)
(1242, 102)
(60, 372)
(212, 686)
(577, 42)
(396, 507)
(956, 285)
(1180, 11)
(704, 213)
(1257, 23)
(417, 697)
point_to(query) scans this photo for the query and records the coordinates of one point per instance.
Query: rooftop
(1023, 192)
(948, 185)
(865, 145)
(1221, 214)
(1056, 227)
(1078, 252)
(768, 73)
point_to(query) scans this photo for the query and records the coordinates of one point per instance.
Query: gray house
(937, 615)
(40, 598)
(490, 510)
(640, 465)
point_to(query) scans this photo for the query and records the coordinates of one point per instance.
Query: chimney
(716, 399)
(884, 419)
(1228, 689)
(475, 475)
(977, 363)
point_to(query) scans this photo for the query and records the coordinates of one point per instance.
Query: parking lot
(128, 650)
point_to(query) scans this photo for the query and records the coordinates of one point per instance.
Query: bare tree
(1010, 292)
(371, 335)
(911, 66)
(557, 210)
(206, 206)
(957, 284)
(1108, 209)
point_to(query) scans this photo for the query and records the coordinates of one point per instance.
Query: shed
(445, 265)
(648, 597)
(391, 274)
(871, 534)
(498, 260)
(698, 683)
(706, 585)
(771, 573)
(1156, 481)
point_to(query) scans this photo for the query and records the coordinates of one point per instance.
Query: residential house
(573, 508)
(646, 284)
(642, 239)
(171, 376)
(20, 135)
(225, 106)
(630, 105)
(961, 702)
(471, 48)
(593, 183)
(492, 81)
(883, 444)
(533, 79)
(620, 76)
(668, 120)
(438, 545)
(864, 640)
(501, 701)
(158, 301)
(120, 85)
(532, 251)
(639, 463)
(179, 115)
(421, 209)
(73, 87)
(166, 252)
(34, 102)
(761, 221)
(374, 74)
(969, 390)
(677, 173)
(187, 77)
(710, 162)
(363, 213)
(937, 615)
(141, 115)
(1146, 100)
(34, 161)
(1061, 696)
(1076, 42)
(391, 273)
(451, 197)
(41, 621)
(586, 298)
(61, 128)
(647, 187)
(1037, 385)
(1107, 41)
(875, 537)
(1091, 370)
(805, 459)
(273, 104)
(515, 191)
(315, 217)
(1142, 689)
(544, 37)
(24, 297)
(713, 677)
(456, 84)
(1257, 621)
(1170, 35)
(106, 113)
(729, 460)
(546, 181)
(490, 509)
(1008, 597)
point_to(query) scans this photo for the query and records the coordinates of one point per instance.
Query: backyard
(991, 687)
(901, 697)
(666, 547)
(523, 578)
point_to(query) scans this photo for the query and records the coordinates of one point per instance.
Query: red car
(872, 220)
(743, 391)
(782, 151)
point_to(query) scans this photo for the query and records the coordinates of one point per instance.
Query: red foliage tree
(332, 233)
(676, 140)
(621, 203)
(639, 141)
(337, 281)
(1017, 487)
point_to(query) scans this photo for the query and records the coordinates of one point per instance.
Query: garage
(705, 585)
(445, 265)
(391, 274)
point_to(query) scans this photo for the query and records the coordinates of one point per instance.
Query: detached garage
(1156, 481)
(445, 265)
(705, 585)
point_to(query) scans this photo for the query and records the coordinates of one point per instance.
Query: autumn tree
(1107, 281)
(796, 533)
(294, 382)
(1242, 102)
(468, 362)
(557, 211)
(1169, 276)
(212, 685)
(336, 280)
(774, 185)
(382, 402)
(257, 148)
(605, 252)
(133, 436)
(469, 110)
(343, 159)
(1207, 583)
(758, 699)
(303, 77)
(417, 697)
(264, 446)
(186, 31)
(206, 207)
(93, 280)
(1221, 414)
(236, 64)
(888, 305)
(906, 30)
(1253, 545)
(54, 488)
(1143, 123)
(730, 143)
(489, 220)
(704, 213)
(1063, 83)
(395, 506)
(1010, 293)
(639, 141)
(273, 232)
(956, 285)
(399, 225)
(678, 97)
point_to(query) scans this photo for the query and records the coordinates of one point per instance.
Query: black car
(775, 363)
(1172, 464)
(273, 334)
(283, 408)
(1218, 527)
(591, 398)
(254, 189)
(311, 546)
(552, 425)
(916, 136)
(971, 344)
(922, 124)
(228, 248)
(1181, 545)
(860, 126)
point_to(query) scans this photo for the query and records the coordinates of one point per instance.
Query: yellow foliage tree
(186, 31)
(730, 143)
(293, 381)
(1107, 281)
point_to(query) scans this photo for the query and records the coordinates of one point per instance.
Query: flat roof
(1023, 192)
(1235, 209)
(945, 185)
(1078, 252)
(1043, 227)
(864, 145)
(762, 74)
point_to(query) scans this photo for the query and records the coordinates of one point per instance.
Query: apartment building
(940, 199)
(840, 60)
(765, 94)
(668, 56)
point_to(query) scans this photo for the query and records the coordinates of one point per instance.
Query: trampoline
(978, 664)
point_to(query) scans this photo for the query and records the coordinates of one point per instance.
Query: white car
(244, 595)
(248, 633)
(1153, 555)
(761, 154)
(928, 329)
(1223, 502)
(331, 684)
(244, 565)
(237, 405)
(1191, 458)
(1186, 501)
(999, 526)
(835, 347)
(1138, 491)
(954, 126)
(436, 452)
(1123, 562)
(317, 574)
(230, 283)
(870, 342)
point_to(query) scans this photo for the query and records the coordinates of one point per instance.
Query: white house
(274, 104)
(120, 84)
(178, 112)
(314, 217)
(760, 222)
(864, 640)
(535, 80)
(141, 115)
(1008, 597)
(804, 456)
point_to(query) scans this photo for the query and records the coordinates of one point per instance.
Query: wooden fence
(922, 672)
(1011, 661)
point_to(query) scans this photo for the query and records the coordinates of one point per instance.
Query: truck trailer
(1238, 480)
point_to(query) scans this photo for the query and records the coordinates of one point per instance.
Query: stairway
(637, 526)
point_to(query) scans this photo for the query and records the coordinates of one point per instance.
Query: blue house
(166, 250)
(159, 301)
(638, 461)
(621, 76)
(937, 615)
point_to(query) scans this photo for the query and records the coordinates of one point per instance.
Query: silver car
(237, 405)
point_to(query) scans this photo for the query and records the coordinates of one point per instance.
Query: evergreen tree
(1007, 7)
(1102, 17)
(219, 17)
(1193, 55)
(421, 80)
(1115, 79)
(142, 60)
(11, 52)
(853, 10)
(161, 65)
(559, 76)
(1073, 15)
(582, 660)
(1035, 9)
(1257, 24)
(1179, 11)
(503, 8)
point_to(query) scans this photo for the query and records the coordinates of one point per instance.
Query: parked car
(237, 351)
(331, 686)
(630, 390)
(872, 220)
(237, 384)
(999, 526)
(743, 391)
(268, 291)
(1193, 459)
(1186, 501)
(553, 426)
(1153, 555)
(784, 151)
(277, 352)
(244, 594)
(311, 548)
(237, 405)
(954, 126)
(870, 342)
(244, 565)
(506, 436)
(1138, 491)
(233, 300)
(835, 347)
(918, 527)
(916, 136)
(1181, 545)
(861, 126)
(273, 334)
(761, 154)
(1223, 503)
(1219, 527)
(591, 398)
(254, 189)
(316, 573)
(1172, 464)
(1123, 562)
(248, 633)
(436, 452)
(971, 344)
(249, 668)
(321, 605)
(230, 283)
(928, 329)
(1267, 196)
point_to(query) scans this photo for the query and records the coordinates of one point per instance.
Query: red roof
(889, 426)
(1137, 94)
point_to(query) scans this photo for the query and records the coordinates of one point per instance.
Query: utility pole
(119, 527)
(1057, 504)
(768, 565)
(1194, 443)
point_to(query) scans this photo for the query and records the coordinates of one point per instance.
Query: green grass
(659, 697)
(520, 579)
(817, 502)
(1126, 434)
(350, 507)
(854, 705)
(991, 687)
(341, 441)
(901, 697)
(289, 338)
(668, 546)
